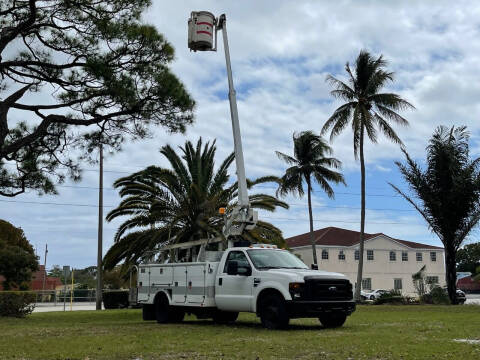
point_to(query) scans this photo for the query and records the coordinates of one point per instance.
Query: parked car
(375, 294)
(365, 295)
(461, 297)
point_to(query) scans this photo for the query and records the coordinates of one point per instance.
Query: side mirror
(244, 271)
(232, 267)
(314, 267)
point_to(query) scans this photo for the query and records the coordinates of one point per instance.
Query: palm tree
(368, 110)
(310, 159)
(448, 192)
(181, 203)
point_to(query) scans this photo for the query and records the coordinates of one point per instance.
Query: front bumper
(299, 308)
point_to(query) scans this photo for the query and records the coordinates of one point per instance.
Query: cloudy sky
(281, 53)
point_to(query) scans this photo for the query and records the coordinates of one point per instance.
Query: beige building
(388, 263)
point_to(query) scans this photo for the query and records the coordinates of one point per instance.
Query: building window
(419, 257)
(357, 254)
(404, 256)
(324, 254)
(433, 256)
(341, 255)
(397, 284)
(367, 284)
(369, 254)
(393, 256)
(431, 280)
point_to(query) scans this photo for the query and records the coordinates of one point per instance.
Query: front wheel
(273, 312)
(332, 320)
(372, 297)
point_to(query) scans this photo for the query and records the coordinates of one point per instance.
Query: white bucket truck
(262, 279)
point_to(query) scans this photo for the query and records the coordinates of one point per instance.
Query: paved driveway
(59, 307)
(473, 299)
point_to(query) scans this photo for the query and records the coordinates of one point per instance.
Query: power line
(111, 206)
(338, 221)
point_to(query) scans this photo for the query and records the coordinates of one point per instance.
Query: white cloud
(281, 52)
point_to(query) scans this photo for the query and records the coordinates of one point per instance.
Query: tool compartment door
(196, 284)
(161, 276)
(179, 288)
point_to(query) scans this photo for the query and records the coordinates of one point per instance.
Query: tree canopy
(76, 73)
(17, 257)
(370, 111)
(448, 192)
(468, 258)
(181, 203)
(311, 159)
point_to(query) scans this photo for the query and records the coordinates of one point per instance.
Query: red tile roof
(334, 236)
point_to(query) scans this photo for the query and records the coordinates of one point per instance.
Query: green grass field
(372, 332)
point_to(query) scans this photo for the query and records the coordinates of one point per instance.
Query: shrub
(392, 297)
(117, 299)
(437, 296)
(17, 303)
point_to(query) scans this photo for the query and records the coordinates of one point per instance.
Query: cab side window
(239, 257)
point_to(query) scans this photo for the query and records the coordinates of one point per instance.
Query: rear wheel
(176, 314)
(224, 317)
(273, 312)
(332, 320)
(148, 312)
(162, 309)
(372, 297)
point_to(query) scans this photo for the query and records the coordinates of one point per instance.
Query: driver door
(234, 292)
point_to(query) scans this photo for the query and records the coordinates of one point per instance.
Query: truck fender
(163, 291)
(270, 286)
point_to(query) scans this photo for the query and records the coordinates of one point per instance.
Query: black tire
(333, 320)
(372, 297)
(273, 312)
(162, 309)
(176, 314)
(224, 317)
(148, 312)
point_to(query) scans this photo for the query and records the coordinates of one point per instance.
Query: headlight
(296, 290)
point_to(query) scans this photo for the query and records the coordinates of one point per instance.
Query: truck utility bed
(189, 284)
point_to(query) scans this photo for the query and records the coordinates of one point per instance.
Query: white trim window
(324, 254)
(393, 256)
(341, 255)
(397, 284)
(419, 256)
(367, 283)
(433, 256)
(404, 255)
(370, 255)
(357, 255)
(432, 280)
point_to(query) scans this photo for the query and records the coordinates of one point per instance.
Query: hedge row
(17, 303)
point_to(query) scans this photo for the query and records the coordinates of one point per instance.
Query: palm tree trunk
(312, 241)
(451, 273)
(362, 221)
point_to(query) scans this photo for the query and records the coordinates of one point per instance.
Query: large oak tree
(76, 73)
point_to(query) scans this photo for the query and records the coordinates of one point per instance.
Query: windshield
(275, 259)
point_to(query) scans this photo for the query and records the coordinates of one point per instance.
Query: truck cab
(273, 283)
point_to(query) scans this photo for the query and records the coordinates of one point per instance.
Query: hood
(299, 274)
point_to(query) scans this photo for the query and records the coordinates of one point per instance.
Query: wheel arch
(162, 292)
(263, 294)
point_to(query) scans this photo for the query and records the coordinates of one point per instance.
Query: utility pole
(100, 234)
(45, 268)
